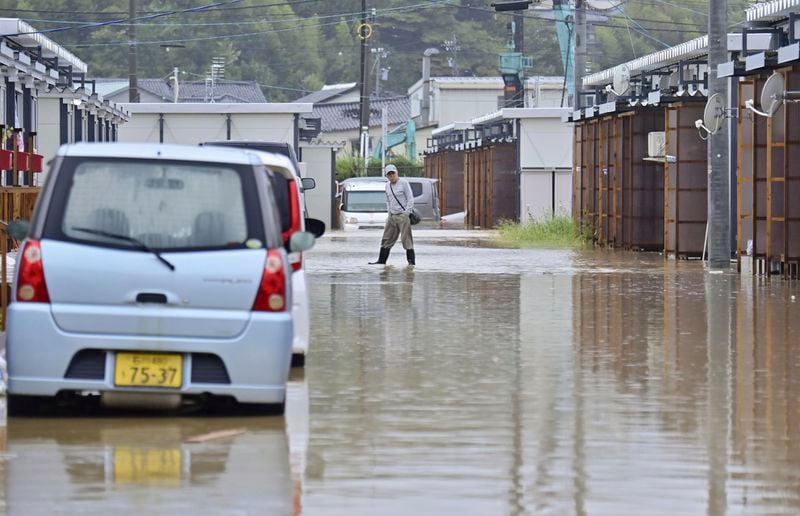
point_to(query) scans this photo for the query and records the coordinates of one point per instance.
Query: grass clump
(559, 231)
(353, 166)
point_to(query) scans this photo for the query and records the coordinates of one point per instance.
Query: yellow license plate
(145, 466)
(148, 370)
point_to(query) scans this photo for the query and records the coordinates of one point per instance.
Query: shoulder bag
(413, 217)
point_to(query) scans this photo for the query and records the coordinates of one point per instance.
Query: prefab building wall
(584, 201)
(685, 182)
(491, 185)
(616, 192)
(769, 180)
(638, 183)
(448, 167)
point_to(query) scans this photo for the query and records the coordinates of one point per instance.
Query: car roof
(375, 179)
(273, 160)
(256, 145)
(367, 186)
(157, 151)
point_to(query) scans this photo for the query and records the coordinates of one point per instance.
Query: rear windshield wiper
(138, 243)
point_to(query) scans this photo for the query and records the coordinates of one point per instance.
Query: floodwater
(484, 381)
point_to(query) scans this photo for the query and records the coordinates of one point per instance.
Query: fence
(15, 203)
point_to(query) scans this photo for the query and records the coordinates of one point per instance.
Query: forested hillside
(294, 46)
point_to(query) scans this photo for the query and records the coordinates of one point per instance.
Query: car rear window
(163, 205)
(416, 188)
(280, 186)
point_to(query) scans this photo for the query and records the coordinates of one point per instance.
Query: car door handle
(151, 297)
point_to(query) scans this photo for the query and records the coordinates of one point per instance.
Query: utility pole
(380, 53)
(719, 246)
(452, 46)
(579, 27)
(175, 86)
(133, 83)
(364, 33)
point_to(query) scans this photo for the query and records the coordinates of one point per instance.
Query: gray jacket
(402, 190)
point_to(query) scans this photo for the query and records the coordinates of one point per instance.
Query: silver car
(153, 274)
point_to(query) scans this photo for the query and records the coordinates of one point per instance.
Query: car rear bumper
(256, 361)
(300, 313)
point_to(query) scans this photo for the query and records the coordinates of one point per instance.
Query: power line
(255, 33)
(119, 21)
(121, 13)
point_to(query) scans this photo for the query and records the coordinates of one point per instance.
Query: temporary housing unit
(509, 165)
(76, 114)
(640, 167)
(444, 160)
(768, 130)
(192, 124)
(616, 191)
(45, 103)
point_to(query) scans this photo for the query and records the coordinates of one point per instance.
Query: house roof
(189, 91)
(344, 116)
(327, 93)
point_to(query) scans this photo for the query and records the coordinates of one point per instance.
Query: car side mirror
(18, 229)
(316, 227)
(301, 241)
(308, 183)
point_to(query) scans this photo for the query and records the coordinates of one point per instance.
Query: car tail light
(294, 208)
(296, 259)
(271, 295)
(31, 287)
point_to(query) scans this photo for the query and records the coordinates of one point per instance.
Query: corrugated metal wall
(641, 183)
(615, 191)
(448, 167)
(686, 183)
(491, 185)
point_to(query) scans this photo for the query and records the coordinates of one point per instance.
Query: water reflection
(556, 383)
(157, 465)
(612, 383)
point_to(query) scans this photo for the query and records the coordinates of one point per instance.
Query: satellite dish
(604, 5)
(714, 113)
(772, 94)
(622, 80)
(663, 82)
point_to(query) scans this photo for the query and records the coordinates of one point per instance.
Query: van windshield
(364, 201)
(157, 204)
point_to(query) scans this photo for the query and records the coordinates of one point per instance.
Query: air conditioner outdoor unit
(656, 144)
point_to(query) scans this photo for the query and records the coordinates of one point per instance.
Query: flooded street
(485, 381)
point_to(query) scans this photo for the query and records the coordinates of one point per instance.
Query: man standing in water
(399, 202)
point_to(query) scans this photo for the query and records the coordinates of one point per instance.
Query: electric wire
(116, 22)
(254, 33)
(124, 13)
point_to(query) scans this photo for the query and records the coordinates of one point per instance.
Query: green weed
(559, 231)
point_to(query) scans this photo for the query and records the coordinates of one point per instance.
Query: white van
(363, 202)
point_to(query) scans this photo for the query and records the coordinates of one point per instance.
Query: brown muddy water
(485, 381)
